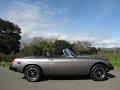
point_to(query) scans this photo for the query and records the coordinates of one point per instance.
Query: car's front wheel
(33, 73)
(98, 73)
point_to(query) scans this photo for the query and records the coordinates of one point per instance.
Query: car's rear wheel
(98, 73)
(33, 73)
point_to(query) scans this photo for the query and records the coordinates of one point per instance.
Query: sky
(96, 21)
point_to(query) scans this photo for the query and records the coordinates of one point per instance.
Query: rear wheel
(33, 73)
(98, 73)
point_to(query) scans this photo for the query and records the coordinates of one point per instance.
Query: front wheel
(98, 73)
(33, 73)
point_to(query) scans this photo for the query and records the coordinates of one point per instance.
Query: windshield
(73, 54)
(68, 53)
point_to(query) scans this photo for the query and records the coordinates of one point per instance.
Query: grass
(5, 64)
(114, 58)
(115, 61)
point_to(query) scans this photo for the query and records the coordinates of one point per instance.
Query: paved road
(10, 80)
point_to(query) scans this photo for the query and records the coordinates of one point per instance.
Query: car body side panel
(83, 66)
(59, 66)
(62, 66)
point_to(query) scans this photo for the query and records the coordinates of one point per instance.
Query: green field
(115, 61)
(5, 64)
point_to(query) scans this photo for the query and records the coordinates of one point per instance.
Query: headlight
(14, 62)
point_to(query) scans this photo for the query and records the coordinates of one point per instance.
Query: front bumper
(13, 68)
(110, 67)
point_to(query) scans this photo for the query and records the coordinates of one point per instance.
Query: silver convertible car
(34, 68)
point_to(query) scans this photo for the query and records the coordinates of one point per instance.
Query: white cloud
(107, 43)
(36, 20)
(41, 20)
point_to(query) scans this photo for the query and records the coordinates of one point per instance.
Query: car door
(62, 66)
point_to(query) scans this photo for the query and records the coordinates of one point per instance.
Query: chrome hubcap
(99, 72)
(32, 73)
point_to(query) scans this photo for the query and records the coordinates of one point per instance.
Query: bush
(4, 64)
(2, 57)
(39, 47)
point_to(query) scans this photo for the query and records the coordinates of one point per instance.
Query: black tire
(33, 73)
(98, 73)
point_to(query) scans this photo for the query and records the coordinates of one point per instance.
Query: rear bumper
(13, 68)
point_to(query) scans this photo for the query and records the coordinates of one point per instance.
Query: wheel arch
(100, 63)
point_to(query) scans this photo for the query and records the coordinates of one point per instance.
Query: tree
(9, 37)
(93, 50)
(60, 45)
(38, 47)
(82, 47)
